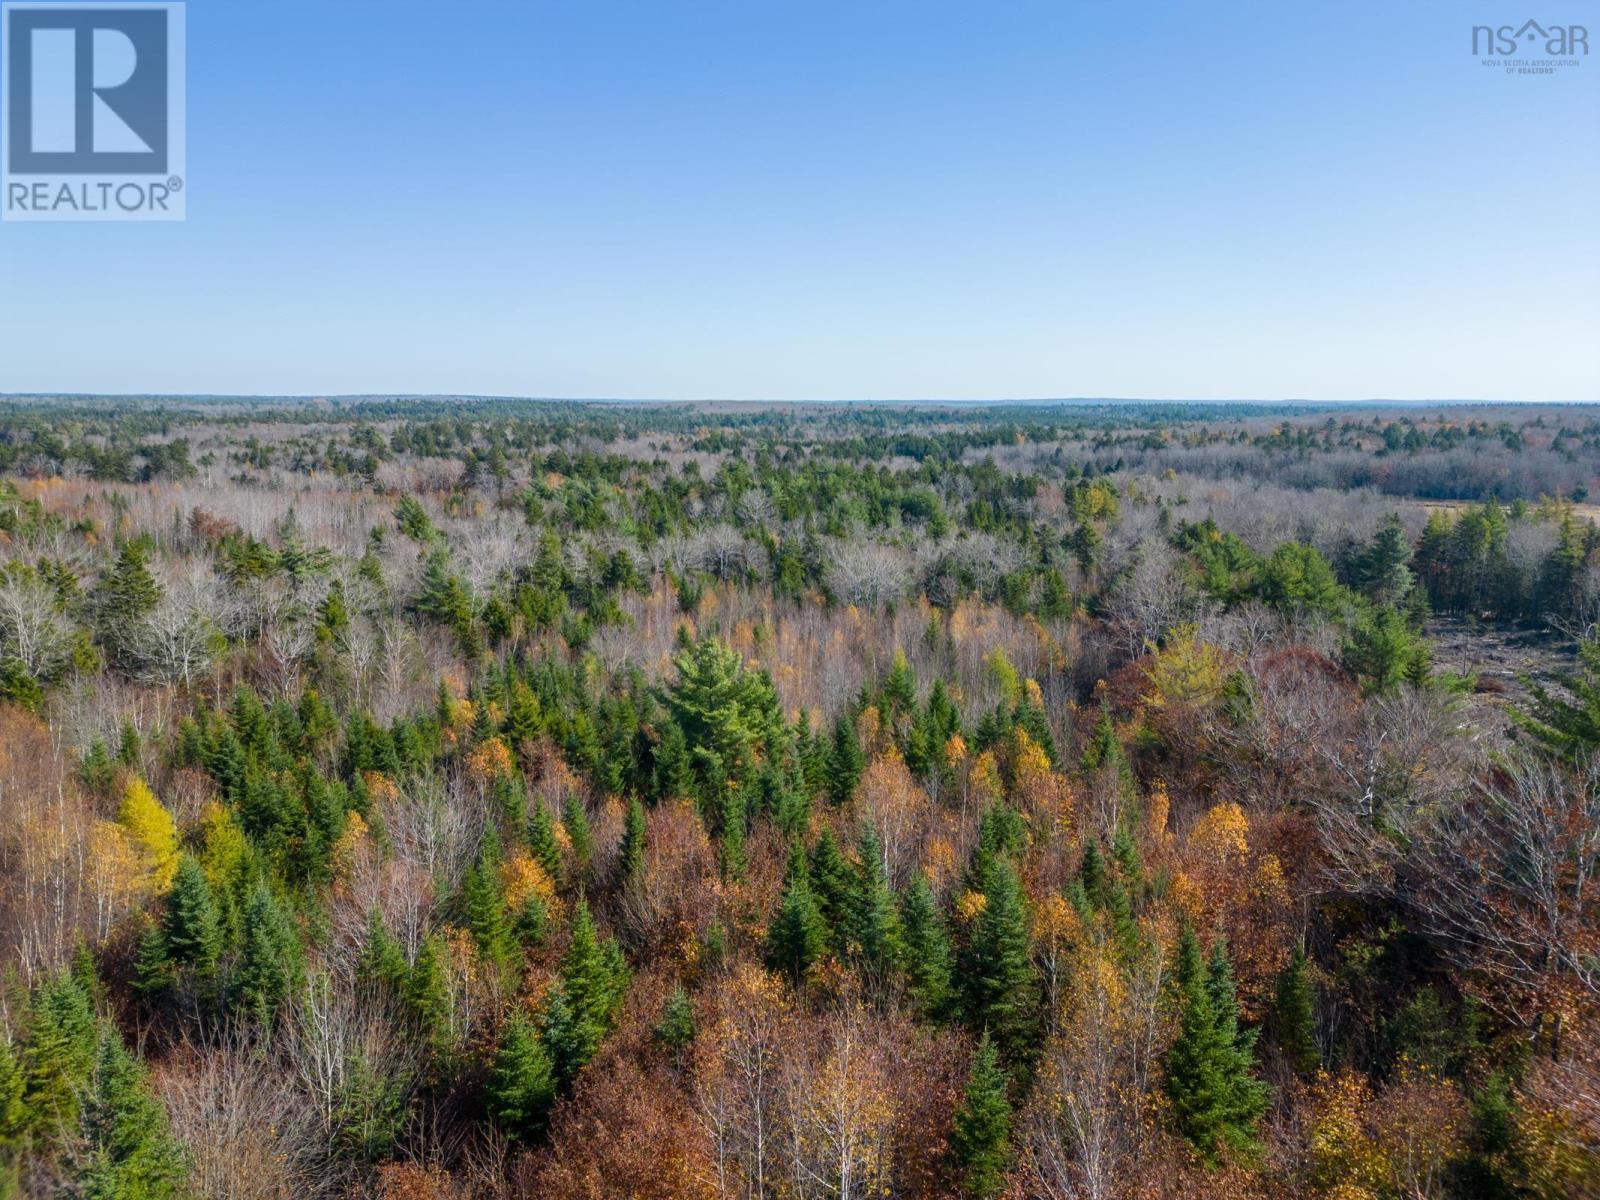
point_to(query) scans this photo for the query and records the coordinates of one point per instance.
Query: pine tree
(981, 1131)
(723, 710)
(1569, 726)
(927, 949)
(630, 862)
(798, 935)
(847, 761)
(1383, 650)
(1002, 987)
(522, 1084)
(1383, 570)
(1216, 1102)
(190, 925)
(128, 1151)
(1292, 1021)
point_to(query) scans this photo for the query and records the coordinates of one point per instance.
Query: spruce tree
(798, 935)
(847, 761)
(1292, 1020)
(383, 962)
(13, 1112)
(268, 958)
(981, 1132)
(575, 819)
(875, 934)
(428, 997)
(152, 968)
(522, 1083)
(1216, 1102)
(58, 1053)
(522, 717)
(675, 1030)
(593, 980)
(542, 842)
(927, 949)
(630, 862)
(190, 924)
(128, 1152)
(831, 885)
(483, 904)
(1002, 986)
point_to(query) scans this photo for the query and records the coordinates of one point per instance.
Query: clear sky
(1328, 199)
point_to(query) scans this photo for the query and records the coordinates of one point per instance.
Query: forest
(456, 798)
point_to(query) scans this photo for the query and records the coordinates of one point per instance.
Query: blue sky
(1324, 199)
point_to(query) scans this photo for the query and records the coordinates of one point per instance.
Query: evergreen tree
(522, 717)
(1216, 1102)
(1292, 1021)
(1383, 569)
(124, 597)
(152, 968)
(570, 1040)
(1383, 651)
(847, 761)
(630, 862)
(128, 1151)
(58, 1053)
(542, 842)
(522, 1084)
(575, 819)
(1571, 727)
(675, 1030)
(798, 935)
(269, 957)
(13, 1111)
(723, 710)
(484, 907)
(593, 980)
(1002, 987)
(875, 933)
(981, 1131)
(831, 884)
(428, 997)
(927, 949)
(383, 961)
(190, 924)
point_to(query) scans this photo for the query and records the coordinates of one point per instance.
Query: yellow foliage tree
(151, 828)
(1185, 671)
(224, 852)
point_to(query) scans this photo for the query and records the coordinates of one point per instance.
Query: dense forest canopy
(415, 798)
